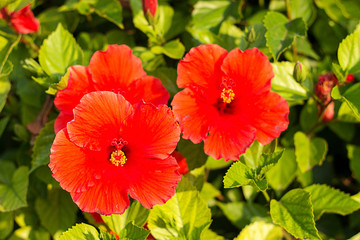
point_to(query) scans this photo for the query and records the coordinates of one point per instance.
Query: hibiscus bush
(179, 119)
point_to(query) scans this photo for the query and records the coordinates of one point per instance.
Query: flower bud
(149, 7)
(350, 78)
(298, 73)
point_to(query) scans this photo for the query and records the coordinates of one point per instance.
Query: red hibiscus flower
(181, 160)
(227, 101)
(23, 20)
(115, 69)
(113, 149)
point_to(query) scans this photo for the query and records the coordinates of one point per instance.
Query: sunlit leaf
(81, 232)
(349, 53)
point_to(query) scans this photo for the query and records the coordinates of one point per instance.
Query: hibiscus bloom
(227, 101)
(113, 149)
(22, 20)
(115, 69)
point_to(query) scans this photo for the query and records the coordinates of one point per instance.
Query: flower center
(227, 95)
(118, 158)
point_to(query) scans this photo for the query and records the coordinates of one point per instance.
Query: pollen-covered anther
(117, 158)
(227, 95)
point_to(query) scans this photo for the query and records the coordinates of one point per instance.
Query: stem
(288, 12)
(266, 195)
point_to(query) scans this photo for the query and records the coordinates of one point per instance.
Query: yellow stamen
(118, 158)
(227, 95)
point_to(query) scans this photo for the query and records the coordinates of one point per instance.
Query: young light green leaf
(303, 9)
(59, 51)
(184, 216)
(309, 152)
(173, 49)
(329, 200)
(57, 212)
(241, 214)
(284, 83)
(135, 213)
(351, 97)
(284, 172)
(349, 53)
(208, 234)
(294, 213)
(132, 231)
(281, 33)
(237, 175)
(354, 156)
(260, 230)
(13, 186)
(110, 10)
(81, 231)
(42, 145)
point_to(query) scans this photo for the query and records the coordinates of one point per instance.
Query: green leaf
(351, 97)
(237, 175)
(13, 186)
(168, 78)
(42, 145)
(329, 200)
(260, 230)
(133, 232)
(354, 156)
(213, 163)
(3, 123)
(208, 234)
(57, 213)
(242, 213)
(295, 214)
(281, 33)
(184, 216)
(303, 9)
(284, 83)
(231, 36)
(309, 152)
(81, 231)
(173, 49)
(6, 224)
(194, 153)
(30, 233)
(7, 43)
(110, 10)
(308, 115)
(209, 192)
(135, 213)
(284, 172)
(346, 131)
(349, 53)
(346, 114)
(59, 51)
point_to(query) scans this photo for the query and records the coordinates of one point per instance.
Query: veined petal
(269, 117)
(153, 131)
(250, 70)
(62, 120)
(98, 119)
(149, 89)
(194, 114)
(79, 84)
(115, 69)
(201, 67)
(153, 181)
(229, 140)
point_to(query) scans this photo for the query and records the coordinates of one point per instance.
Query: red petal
(150, 5)
(115, 69)
(201, 67)
(62, 120)
(229, 140)
(71, 166)
(98, 119)
(250, 70)
(153, 131)
(105, 198)
(79, 84)
(24, 21)
(153, 180)
(194, 114)
(149, 89)
(269, 117)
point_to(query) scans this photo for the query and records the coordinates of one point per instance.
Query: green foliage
(281, 32)
(309, 151)
(184, 216)
(294, 213)
(354, 156)
(13, 186)
(132, 231)
(260, 230)
(82, 232)
(349, 53)
(329, 200)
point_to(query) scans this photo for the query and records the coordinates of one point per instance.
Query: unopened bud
(149, 7)
(298, 73)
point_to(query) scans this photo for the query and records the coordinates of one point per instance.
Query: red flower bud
(149, 6)
(350, 78)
